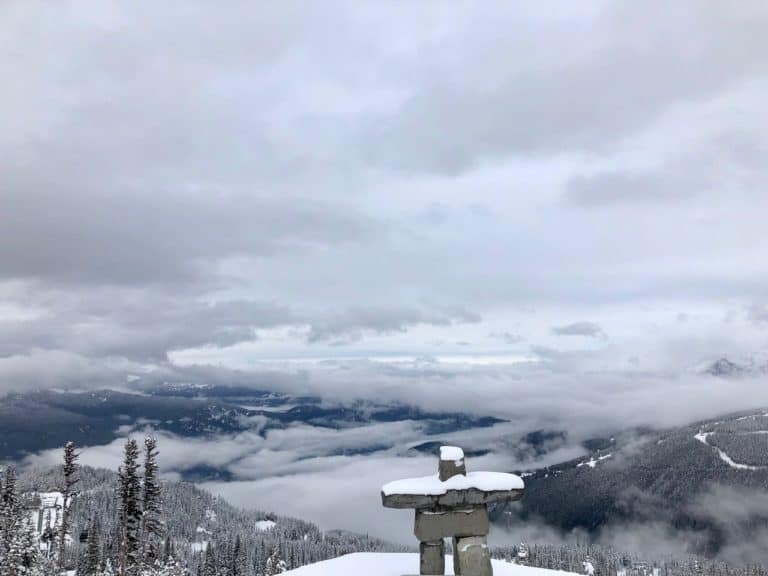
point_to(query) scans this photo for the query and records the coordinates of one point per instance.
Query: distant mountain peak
(726, 368)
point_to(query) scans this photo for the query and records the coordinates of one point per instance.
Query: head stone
(451, 462)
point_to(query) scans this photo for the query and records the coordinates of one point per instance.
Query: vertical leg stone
(473, 555)
(432, 558)
(456, 565)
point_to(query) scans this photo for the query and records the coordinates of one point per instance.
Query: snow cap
(451, 453)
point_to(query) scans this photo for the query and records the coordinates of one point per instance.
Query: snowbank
(372, 564)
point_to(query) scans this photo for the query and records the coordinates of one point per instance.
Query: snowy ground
(372, 564)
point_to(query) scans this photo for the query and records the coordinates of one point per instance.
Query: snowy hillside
(392, 564)
(664, 475)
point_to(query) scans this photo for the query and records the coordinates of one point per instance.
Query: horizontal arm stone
(451, 499)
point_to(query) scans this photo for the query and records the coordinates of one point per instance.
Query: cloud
(351, 324)
(589, 329)
(258, 194)
(507, 337)
(617, 187)
(615, 81)
(758, 314)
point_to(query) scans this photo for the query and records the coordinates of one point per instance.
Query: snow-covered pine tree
(30, 549)
(129, 493)
(10, 520)
(3, 520)
(209, 563)
(93, 551)
(275, 564)
(18, 547)
(172, 567)
(151, 520)
(239, 558)
(68, 492)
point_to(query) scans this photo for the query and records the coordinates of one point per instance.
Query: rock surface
(431, 526)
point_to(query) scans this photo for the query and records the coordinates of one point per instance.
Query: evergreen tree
(10, 520)
(168, 552)
(238, 562)
(70, 481)
(18, 547)
(93, 552)
(129, 491)
(209, 564)
(275, 564)
(152, 526)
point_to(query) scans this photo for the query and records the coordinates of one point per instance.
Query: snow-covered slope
(381, 564)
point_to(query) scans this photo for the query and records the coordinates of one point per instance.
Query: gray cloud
(584, 328)
(351, 324)
(611, 81)
(728, 163)
(507, 337)
(198, 194)
(616, 187)
(54, 233)
(758, 313)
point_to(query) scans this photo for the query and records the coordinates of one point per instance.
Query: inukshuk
(453, 504)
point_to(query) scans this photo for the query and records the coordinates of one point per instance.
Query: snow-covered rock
(378, 564)
(451, 453)
(432, 486)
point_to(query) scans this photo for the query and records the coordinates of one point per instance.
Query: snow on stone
(199, 546)
(451, 453)
(432, 486)
(384, 564)
(264, 525)
(210, 515)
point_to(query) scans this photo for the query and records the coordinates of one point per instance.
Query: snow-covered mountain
(40, 420)
(727, 368)
(683, 478)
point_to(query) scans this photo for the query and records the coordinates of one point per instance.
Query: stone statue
(453, 504)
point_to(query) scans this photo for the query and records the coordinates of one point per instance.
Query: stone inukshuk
(453, 504)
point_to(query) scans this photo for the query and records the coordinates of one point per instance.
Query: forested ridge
(116, 525)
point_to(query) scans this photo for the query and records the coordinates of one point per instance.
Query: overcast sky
(415, 188)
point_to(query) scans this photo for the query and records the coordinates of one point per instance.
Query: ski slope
(382, 564)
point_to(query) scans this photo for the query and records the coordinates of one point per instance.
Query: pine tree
(129, 489)
(70, 481)
(30, 549)
(152, 526)
(237, 567)
(209, 564)
(10, 520)
(168, 552)
(18, 548)
(275, 564)
(93, 552)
